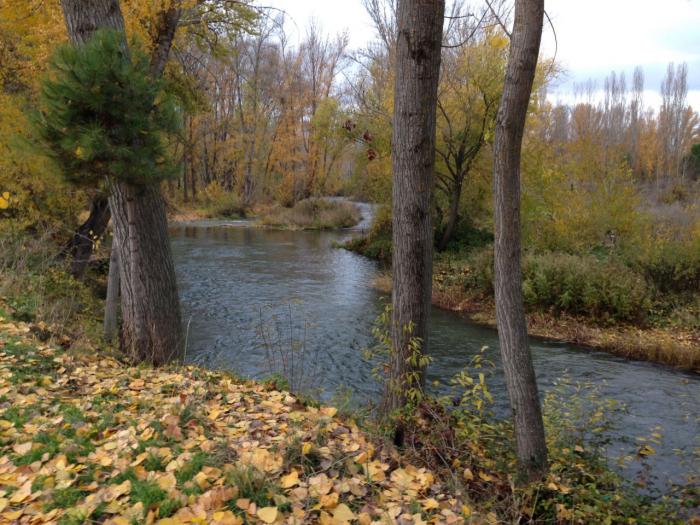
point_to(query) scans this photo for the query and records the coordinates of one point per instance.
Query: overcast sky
(595, 36)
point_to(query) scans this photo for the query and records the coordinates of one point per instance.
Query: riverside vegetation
(85, 437)
(639, 301)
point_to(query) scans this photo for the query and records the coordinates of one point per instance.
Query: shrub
(222, 203)
(314, 214)
(466, 237)
(603, 289)
(606, 290)
(377, 243)
(672, 266)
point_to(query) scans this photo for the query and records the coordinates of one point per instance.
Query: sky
(594, 37)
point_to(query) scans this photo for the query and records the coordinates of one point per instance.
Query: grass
(313, 214)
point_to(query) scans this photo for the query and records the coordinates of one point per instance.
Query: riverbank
(86, 438)
(667, 346)
(308, 214)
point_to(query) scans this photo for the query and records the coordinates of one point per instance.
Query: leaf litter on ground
(87, 439)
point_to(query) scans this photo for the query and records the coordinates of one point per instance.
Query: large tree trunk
(151, 322)
(82, 243)
(413, 159)
(510, 312)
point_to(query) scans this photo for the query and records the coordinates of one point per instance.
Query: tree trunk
(413, 159)
(510, 312)
(151, 322)
(452, 218)
(112, 301)
(81, 245)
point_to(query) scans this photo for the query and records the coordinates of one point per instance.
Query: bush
(673, 266)
(606, 290)
(377, 243)
(314, 214)
(603, 289)
(222, 203)
(37, 285)
(466, 237)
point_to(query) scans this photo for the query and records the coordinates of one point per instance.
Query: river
(239, 282)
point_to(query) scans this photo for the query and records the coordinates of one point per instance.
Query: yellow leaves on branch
(84, 434)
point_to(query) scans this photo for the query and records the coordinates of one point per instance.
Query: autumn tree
(470, 88)
(519, 371)
(418, 46)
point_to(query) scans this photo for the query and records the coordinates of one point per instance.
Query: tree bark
(82, 243)
(510, 312)
(413, 160)
(112, 300)
(151, 321)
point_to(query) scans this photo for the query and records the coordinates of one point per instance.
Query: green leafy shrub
(467, 237)
(377, 243)
(673, 266)
(606, 290)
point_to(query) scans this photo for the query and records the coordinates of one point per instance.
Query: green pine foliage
(103, 114)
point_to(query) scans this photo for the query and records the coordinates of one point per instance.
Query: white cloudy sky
(595, 36)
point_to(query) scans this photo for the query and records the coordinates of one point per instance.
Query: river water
(247, 292)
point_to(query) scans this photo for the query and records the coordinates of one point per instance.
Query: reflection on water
(230, 276)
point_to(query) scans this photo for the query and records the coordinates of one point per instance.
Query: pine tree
(96, 103)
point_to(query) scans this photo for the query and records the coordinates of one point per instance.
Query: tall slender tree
(151, 322)
(510, 312)
(419, 40)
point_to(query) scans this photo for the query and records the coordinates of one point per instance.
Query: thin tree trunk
(82, 243)
(112, 301)
(151, 322)
(413, 159)
(453, 216)
(510, 312)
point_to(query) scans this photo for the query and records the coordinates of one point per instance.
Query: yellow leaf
(430, 503)
(167, 482)
(201, 480)
(268, 514)
(329, 411)
(343, 513)
(22, 494)
(646, 450)
(466, 510)
(364, 518)
(306, 448)
(290, 480)
(486, 477)
(22, 448)
(3, 503)
(6, 195)
(226, 518)
(169, 521)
